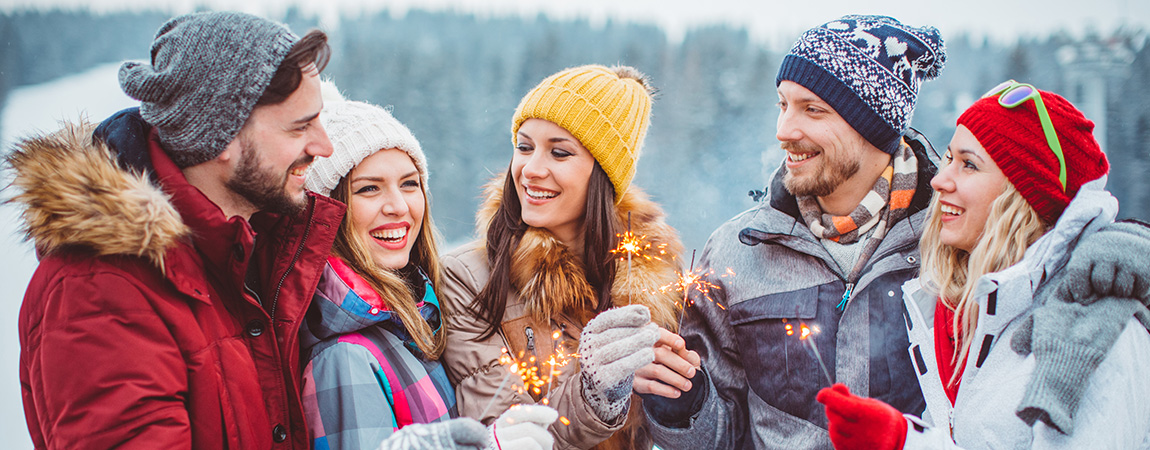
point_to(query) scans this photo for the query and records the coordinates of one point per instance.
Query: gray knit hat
(357, 130)
(207, 72)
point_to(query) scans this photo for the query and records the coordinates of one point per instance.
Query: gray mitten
(1069, 341)
(1111, 262)
(612, 347)
(455, 434)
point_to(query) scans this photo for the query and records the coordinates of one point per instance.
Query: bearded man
(179, 249)
(827, 249)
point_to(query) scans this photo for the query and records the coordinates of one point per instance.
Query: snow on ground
(30, 110)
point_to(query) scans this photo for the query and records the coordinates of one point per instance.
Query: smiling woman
(545, 279)
(373, 334)
(1023, 336)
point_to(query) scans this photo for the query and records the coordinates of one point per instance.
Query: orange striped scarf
(886, 203)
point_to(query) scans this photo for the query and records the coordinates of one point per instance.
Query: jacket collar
(219, 239)
(344, 303)
(549, 278)
(75, 196)
(1092, 207)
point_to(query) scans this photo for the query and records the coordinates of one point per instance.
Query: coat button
(255, 328)
(238, 252)
(279, 434)
(911, 259)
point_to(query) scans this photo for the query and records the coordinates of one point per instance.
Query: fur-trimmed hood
(549, 278)
(73, 194)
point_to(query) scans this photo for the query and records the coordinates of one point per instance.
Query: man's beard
(832, 173)
(265, 189)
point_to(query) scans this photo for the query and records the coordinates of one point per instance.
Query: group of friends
(248, 260)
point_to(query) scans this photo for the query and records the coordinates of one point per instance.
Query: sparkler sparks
(695, 280)
(531, 381)
(632, 246)
(805, 334)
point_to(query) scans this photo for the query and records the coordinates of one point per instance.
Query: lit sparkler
(559, 359)
(636, 246)
(531, 382)
(805, 335)
(695, 280)
(513, 368)
(632, 246)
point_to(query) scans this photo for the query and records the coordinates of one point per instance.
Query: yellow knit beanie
(608, 110)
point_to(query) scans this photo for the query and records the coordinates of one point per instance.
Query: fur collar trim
(549, 278)
(74, 195)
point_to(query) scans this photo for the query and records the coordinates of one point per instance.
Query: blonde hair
(393, 289)
(1012, 226)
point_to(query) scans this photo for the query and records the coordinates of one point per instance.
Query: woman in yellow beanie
(543, 279)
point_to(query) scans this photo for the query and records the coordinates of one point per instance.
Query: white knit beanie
(357, 130)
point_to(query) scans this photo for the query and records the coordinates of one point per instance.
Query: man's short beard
(834, 171)
(263, 188)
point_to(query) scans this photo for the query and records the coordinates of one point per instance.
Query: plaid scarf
(886, 203)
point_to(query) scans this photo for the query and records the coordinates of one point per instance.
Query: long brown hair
(600, 227)
(396, 293)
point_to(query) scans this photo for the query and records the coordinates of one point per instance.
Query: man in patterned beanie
(179, 249)
(819, 262)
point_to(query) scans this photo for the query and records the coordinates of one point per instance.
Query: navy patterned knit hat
(869, 69)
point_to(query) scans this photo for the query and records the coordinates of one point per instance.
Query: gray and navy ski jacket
(758, 383)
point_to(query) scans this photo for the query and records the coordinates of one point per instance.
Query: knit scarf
(894, 188)
(888, 201)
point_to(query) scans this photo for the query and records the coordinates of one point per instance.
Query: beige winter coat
(547, 276)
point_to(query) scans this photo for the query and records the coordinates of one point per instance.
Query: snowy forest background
(455, 80)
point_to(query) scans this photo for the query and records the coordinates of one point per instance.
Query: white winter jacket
(1115, 409)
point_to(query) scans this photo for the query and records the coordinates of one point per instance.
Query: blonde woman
(1023, 185)
(374, 333)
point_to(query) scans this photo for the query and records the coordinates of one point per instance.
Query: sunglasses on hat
(1011, 94)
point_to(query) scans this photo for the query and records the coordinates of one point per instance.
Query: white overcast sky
(999, 19)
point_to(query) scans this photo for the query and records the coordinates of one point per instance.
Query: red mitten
(861, 423)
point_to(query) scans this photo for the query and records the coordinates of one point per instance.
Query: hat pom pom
(330, 92)
(932, 65)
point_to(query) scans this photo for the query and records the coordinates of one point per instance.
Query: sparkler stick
(558, 359)
(805, 336)
(683, 309)
(551, 372)
(629, 260)
(506, 377)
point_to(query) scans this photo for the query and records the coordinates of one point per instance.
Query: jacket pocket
(781, 368)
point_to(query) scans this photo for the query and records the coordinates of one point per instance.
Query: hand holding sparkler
(861, 423)
(671, 373)
(613, 346)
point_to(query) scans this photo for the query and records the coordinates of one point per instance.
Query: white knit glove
(455, 434)
(523, 427)
(612, 347)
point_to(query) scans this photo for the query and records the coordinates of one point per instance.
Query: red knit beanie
(1014, 138)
